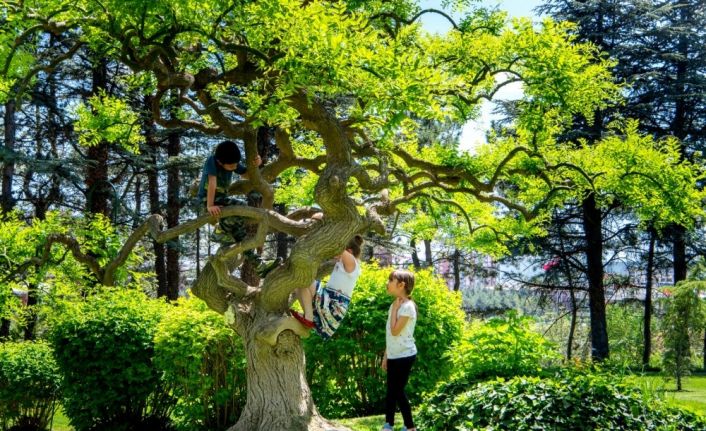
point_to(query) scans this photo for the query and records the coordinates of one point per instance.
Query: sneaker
(264, 268)
(387, 427)
(303, 320)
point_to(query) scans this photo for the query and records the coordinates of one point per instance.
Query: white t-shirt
(402, 345)
(343, 281)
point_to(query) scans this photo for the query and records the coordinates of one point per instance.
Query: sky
(474, 132)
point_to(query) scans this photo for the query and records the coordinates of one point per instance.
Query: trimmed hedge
(344, 372)
(29, 386)
(577, 403)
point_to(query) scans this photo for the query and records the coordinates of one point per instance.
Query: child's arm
(348, 261)
(397, 323)
(212, 209)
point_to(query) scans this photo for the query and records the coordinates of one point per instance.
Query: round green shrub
(502, 347)
(104, 348)
(575, 402)
(29, 385)
(202, 365)
(344, 371)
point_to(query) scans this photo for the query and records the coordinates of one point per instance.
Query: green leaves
(108, 119)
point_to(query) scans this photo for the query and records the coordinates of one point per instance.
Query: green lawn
(370, 423)
(692, 397)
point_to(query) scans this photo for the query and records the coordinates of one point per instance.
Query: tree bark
(153, 194)
(679, 253)
(98, 188)
(8, 169)
(647, 321)
(173, 209)
(592, 225)
(415, 256)
(457, 270)
(429, 262)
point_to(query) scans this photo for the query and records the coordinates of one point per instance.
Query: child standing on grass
(400, 350)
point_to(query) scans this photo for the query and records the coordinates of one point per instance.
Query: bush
(577, 403)
(202, 365)
(344, 372)
(104, 348)
(502, 347)
(29, 385)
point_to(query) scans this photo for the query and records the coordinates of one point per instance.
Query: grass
(692, 397)
(369, 423)
(61, 422)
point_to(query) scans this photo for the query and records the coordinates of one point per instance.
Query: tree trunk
(457, 270)
(97, 185)
(572, 325)
(427, 254)
(4, 329)
(279, 397)
(647, 321)
(173, 209)
(415, 256)
(8, 169)
(153, 194)
(679, 253)
(592, 224)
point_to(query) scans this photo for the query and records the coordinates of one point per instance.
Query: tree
(684, 318)
(339, 82)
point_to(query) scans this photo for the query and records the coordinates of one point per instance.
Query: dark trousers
(398, 371)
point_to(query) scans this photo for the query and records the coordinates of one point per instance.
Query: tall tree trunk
(647, 321)
(679, 253)
(429, 262)
(8, 169)
(97, 184)
(592, 224)
(572, 325)
(457, 270)
(678, 130)
(415, 256)
(173, 209)
(153, 194)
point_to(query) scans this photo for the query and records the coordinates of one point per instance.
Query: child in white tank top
(326, 306)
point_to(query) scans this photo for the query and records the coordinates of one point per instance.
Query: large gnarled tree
(342, 83)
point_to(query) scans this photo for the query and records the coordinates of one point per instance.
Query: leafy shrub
(587, 402)
(202, 365)
(502, 347)
(29, 385)
(104, 348)
(344, 372)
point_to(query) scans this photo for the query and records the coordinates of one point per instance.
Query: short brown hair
(355, 245)
(406, 277)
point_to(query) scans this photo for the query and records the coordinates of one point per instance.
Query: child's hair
(228, 153)
(406, 277)
(355, 245)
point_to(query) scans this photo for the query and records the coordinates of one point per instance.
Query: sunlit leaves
(108, 119)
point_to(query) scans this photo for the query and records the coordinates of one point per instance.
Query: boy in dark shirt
(216, 177)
